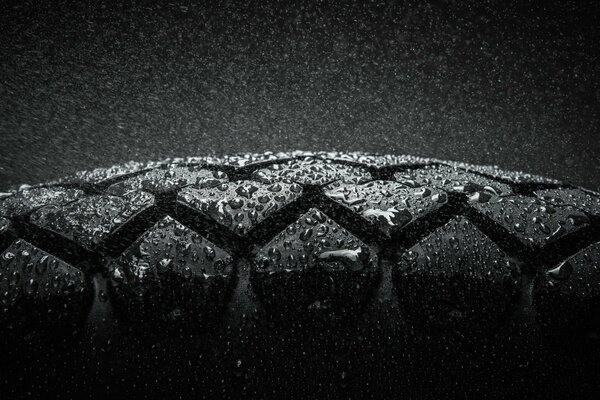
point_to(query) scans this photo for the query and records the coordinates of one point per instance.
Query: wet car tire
(371, 262)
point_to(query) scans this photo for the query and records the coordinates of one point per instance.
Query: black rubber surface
(300, 274)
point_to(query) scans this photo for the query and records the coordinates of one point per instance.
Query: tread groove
(500, 236)
(208, 228)
(54, 244)
(425, 226)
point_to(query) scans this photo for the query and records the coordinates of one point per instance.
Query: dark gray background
(87, 85)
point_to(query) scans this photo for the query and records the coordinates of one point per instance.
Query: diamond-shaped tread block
(509, 176)
(533, 221)
(452, 180)
(456, 276)
(376, 160)
(241, 205)
(25, 201)
(390, 206)
(312, 171)
(163, 180)
(314, 264)
(235, 160)
(569, 292)
(585, 201)
(171, 273)
(100, 175)
(90, 220)
(246, 160)
(30, 277)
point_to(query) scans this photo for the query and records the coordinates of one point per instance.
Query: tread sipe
(336, 256)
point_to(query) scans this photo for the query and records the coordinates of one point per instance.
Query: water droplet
(519, 227)
(291, 261)
(578, 220)
(246, 190)
(263, 199)
(343, 380)
(563, 271)
(355, 260)
(319, 216)
(491, 190)
(236, 203)
(15, 277)
(310, 221)
(179, 230)
(117, 275)
(253, 215)
(210, 253)
(238, 369)
(480, 197)
(31, 286)
(454, 242)
(410, 255)
(544, 228)
(306, 234)
(163, 264)
(322, 230)
(274, 188)
(423, 192)
(25, 256)
(274, 254)
(42, 264)
(439, 197)
(4, 224)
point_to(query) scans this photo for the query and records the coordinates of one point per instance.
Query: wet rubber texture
(300, 274)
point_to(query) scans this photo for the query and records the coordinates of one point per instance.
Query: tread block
(388, 205)
(251, 159)
(583, 200)
(33, 281)
(241, 205)
(197, 160)
(456, 276)
(164, 180)
(25, 201)
(312, 171)
(377, 160)
(171, 274)
(99, 175)
(90, 220)
(532, 220)
(314, 266)
(568, 294)
(451, 180)
(493, 171)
